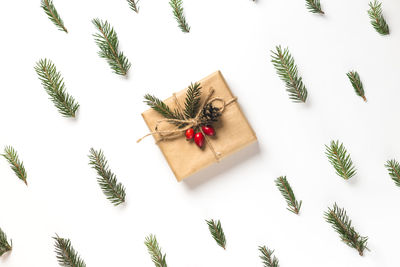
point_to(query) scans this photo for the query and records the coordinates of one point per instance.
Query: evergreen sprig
(340, 160)
(159, 106)
(107, 41)
(134, 5)
(393, 167)
(114, 191)
(4, 245)
(154, 249)
(268, 259)
(314, 6)
(217, 232)
(339, 220)
(377, 19)
(192, 102)
(177, 9)
(66, 254)
(355, 80)
(54, 85)
(11, 155)
(53, 15)
(287, 71)
(287, 192)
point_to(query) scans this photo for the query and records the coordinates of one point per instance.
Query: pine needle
(54, 85)
(134, 5)
(393, 167)
(377, 19)
(115, 192)
(53, 15)
(355, 80)
(217, 232)
(16, 165)
(192, 102)
(177, 9)
(65, 253)
(339, 220)
(287, 71)
(155, 251)
(4, 245)
(314, 6)
(107, 41)
(268, 259)
(340, 160)
(159, 106)
(287, 192)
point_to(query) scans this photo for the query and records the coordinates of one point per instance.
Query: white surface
(235, 37)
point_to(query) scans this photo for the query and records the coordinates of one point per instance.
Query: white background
(235, 37)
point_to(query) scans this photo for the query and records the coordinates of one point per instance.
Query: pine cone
(210, 114)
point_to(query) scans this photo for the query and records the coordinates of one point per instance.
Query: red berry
(208, 130)
(189, 133)
(199, 139)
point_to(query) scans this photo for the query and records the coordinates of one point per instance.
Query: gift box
(233, 131)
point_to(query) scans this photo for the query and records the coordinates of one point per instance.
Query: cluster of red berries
(199, 137)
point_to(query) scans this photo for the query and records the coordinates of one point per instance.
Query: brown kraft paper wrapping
(233, 132)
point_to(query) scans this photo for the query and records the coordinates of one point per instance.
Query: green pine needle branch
(377, 19)
(287, 71)
(340, 160)
(192, 102)
(393, 167)
(355, 80)
(65, 253)
(16, 165)
(159, 106)
(155, 251)
(268, 259)
(53, 15)
(54, 85)
(114, 191)
(217, 232)
(177, 9)
(287, 192)
(314, 6)
(5, 246)
(107, 41)
(339, 220)
(134, 5)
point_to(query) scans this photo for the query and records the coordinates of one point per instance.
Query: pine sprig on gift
(217, 232)
(66, 254)
(53, 15)
(16, 164)
(287, 192)
(314, 6)
(177, 9)
(155, 251)
(134, 5)
(54, 85)
(159, 106)
(340, 160)
(192, 101)
(4, 245)
(339, 220)
(268, 259)
(393, 167)
(377, 19)
(355, 80)
(287, 71)
(107, 41)
(114, 191)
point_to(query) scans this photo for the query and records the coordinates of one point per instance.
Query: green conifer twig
(287, 192)
(268, 259)
(377, 19)
(134, 5)
(65, 253)
(16, 165)
(340, 160)
(53, 15)
(192, 102)
(217, 232)
(155, 251)
(393, 167)
(177, 10)
(355, 80)
(162, 108)
(4, 245)
(314, 6)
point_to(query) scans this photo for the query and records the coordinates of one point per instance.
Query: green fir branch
(107, 41)
(177, 9)
(5, 246)
(314, 6)
(393, 167)
(192, 102)
(287, 192)
(340, 160)
(159, 106)
(134, 5)
(53, 15)
(11, 155)
(339, 220)
(217, 232)
(377, 19)
(54, 85)
(114, 191)
(155, 251)
(65, 253)
(287, 71)
(355, 80)
(268, 259)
